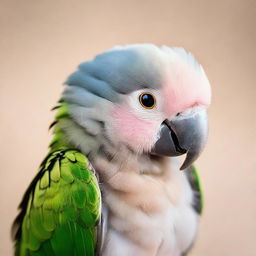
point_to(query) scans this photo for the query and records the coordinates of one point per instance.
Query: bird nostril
(178, 114)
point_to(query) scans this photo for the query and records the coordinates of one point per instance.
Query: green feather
(71, 156)
(194, 181)
(44, 182)
(62, 240)
(37, 227)
(55, 172)
(62, 111)
(65, 173)
(61, 208)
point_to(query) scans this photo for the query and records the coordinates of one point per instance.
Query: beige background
(42, 41)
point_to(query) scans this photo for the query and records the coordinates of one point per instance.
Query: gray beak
(185, 134)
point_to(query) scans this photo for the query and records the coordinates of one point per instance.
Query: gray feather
(93, 85)
(120, 71)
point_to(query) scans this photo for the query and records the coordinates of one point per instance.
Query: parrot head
(150, 99)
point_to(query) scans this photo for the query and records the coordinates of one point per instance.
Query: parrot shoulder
(61, 209)
(194, 181)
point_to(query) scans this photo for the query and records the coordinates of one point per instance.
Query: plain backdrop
(42, 41)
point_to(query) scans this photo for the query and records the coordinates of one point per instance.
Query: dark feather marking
(56, 107)
(52, 124)
(16, 227)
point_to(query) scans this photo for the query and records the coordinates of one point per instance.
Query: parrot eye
(147, 100)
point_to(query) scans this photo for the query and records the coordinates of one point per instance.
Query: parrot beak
(185, 134)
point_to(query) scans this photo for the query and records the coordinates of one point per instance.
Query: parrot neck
(60, 138)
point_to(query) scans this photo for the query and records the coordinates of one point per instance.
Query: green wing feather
(61, 208)
(194, 181)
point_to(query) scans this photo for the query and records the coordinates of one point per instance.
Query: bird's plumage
(61, 208)
(103, 135)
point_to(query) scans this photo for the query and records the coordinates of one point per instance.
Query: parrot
(127, 122)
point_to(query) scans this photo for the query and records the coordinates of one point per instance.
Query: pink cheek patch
(137, 133)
